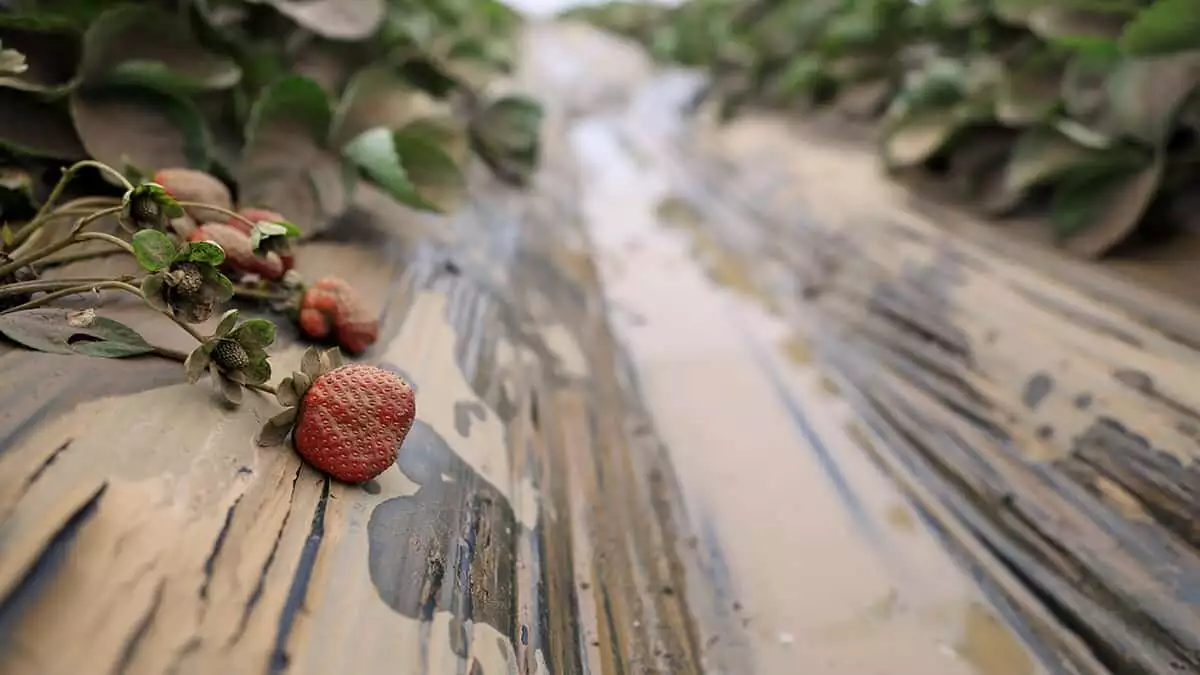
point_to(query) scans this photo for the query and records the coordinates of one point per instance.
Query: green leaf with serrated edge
(254, 333)
(203, 252)
(65, 331)
(153, 249)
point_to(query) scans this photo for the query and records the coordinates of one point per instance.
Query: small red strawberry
(189, 185)
(239, 256)
(346, 421)
(332, 306)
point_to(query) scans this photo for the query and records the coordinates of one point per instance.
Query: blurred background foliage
(290, 102)
(1083, 109)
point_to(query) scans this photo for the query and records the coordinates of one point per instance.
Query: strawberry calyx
(291, 390)
(235, 356)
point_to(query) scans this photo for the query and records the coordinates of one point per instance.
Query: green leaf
(285, 165)
(506, 136)
(1028, 95)
(152, 290)
(1145, 95)
(153, 249)
(412, 169)
(196, 363)
(202, 252)
(222, 287)
(1099, 206)
(64, 331)
(378, 97)
(265, 230)
(49, 56)
(257, 372)
(1041, 155)
(1063, 24)
(254, 333)
(227, 323)
(919, 137)
(292, 100)
(30, 126)
(1165, 27)
(149, 47)
(141, 127)
(335, 19)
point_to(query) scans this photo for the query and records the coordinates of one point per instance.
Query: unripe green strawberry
(145, 210)
(333, 308)
(189, 185)
(230, 355)
(352, 421)
(239, 256)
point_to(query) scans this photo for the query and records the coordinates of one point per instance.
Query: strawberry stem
(255, 294)
(39, 218)
(20, 287)
(72, 290)
(55, 260)
(176, 355)
(104, 236)
(218, 209)
(75, 207)
(75, 236)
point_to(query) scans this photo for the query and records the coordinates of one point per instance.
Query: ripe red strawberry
(352, 420)
(255, 215)
(189, 185)
(333, 306)
(239, 257)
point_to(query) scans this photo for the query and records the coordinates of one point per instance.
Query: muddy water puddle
(833, 572)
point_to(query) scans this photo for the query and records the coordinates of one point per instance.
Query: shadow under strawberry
(450, 546)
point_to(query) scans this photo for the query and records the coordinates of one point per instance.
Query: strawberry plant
(285, 105)
(219, 133)
(185, 278)
(1083, 109)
